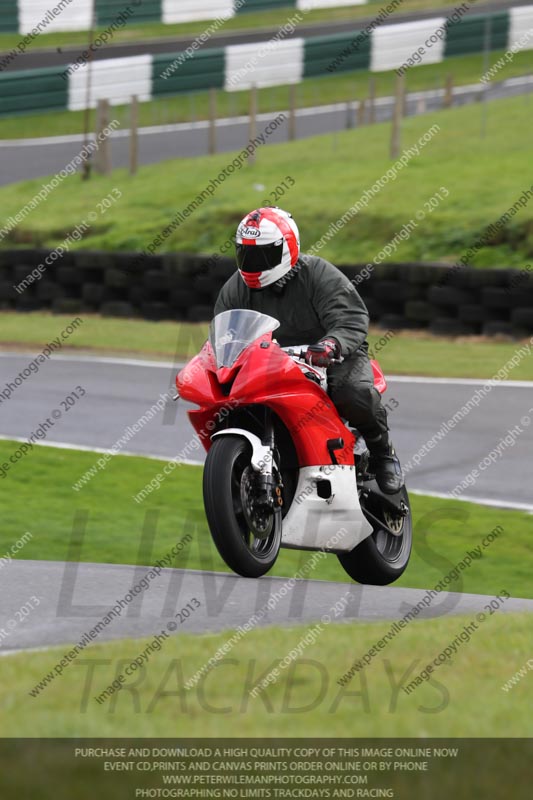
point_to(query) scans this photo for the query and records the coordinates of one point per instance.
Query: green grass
(119, 530)
(464, 698)
(241, 22)
(407, 353)
(484, 176)
(337, 88)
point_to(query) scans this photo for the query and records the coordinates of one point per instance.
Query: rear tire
(247, 536)
(381, 558)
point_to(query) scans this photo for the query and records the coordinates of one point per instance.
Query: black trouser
(351, 387)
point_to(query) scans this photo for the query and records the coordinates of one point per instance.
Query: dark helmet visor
(256, 258)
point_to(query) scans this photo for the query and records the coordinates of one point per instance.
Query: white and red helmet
(268, 246)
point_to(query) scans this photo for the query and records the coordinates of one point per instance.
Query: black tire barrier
(117, 278)
(397, 322)
(498, 328)
(157, 280)
(422, 274)
(419, 311)
(136, 296)
(203, 284)
(199, 313)
(67, 305)
(50, 291)
(493, 297)
(69, 276)
(522, 318)
(473, 313)
(448, 326)
(521, 297)
(447, 296)
(479, 278)
(21, 271)
(395, 292)
(154, 311)
(94, 294)
(182, 299)
(31, 304)
(117, 308)
(180, 286)
(7, 292)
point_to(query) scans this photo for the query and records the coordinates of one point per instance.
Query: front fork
(269, 484)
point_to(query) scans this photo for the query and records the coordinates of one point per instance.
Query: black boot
(385, 464)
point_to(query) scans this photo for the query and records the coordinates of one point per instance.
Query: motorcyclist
(314, 302)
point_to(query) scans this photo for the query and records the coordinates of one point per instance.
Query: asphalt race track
(119, 392)
(74, 598)
(37, 58)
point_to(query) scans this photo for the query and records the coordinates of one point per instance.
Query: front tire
(381, 558)
(246, 534)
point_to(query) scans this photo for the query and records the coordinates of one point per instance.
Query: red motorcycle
(282, 468)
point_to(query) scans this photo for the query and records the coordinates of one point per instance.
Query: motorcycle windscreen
(232, 331)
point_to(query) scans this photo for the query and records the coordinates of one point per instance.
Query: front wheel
(382, 557)
(247, 533)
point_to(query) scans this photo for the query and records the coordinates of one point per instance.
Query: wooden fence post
(102, 161)
(212, 146)
(395, 141)
(252, 131)
(361, 112)
(292, 112)
(371, 100)
(134, 134)
(448, 91)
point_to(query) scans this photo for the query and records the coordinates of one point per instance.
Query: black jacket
(317, 302)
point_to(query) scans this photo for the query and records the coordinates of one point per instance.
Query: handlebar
(302, 352)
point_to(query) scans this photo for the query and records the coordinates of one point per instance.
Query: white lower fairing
(336, 523)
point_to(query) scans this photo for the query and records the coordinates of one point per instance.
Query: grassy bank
(462, 698)
(455, 157)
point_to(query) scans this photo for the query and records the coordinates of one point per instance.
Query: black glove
(323, 353)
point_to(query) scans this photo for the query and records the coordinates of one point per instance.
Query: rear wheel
(246, 532)
(382, 557)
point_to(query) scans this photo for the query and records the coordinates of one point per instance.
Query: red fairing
(379, 378)
(193, 383)
(266, 376)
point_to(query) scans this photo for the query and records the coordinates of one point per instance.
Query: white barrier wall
(76, 14)
(113, 79)
(264, 64)
(190, 10)
(59, 15)
(309, 5)
(276, 62)
(393, 45)
(521, 27)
